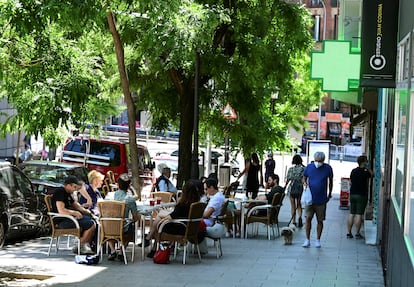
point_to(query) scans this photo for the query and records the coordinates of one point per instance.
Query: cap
(71, 179)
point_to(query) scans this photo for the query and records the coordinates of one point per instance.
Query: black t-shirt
(180, 211)
(60, 194)
(276, 189)
(359, 181)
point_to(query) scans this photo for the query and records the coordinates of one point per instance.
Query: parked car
(22, 209)
(110, 154)
(48, 175)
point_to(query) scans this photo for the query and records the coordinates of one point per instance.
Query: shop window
(410, 188)
(400, 148)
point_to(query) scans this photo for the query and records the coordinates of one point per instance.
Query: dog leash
(291, 218)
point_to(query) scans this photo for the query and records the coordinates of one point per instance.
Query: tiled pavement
(246, 262)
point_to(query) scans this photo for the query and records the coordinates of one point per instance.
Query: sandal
(349, 235)
(359, 236)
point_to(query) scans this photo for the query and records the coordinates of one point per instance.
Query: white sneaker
(86, 250)
(317, 244)
(306, 244)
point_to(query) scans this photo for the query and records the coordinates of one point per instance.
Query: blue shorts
(85, 223)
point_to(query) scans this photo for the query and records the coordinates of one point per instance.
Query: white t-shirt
(216, 202)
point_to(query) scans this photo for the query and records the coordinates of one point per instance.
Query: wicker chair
(165, 196)
(112, 223)
(270, 219)
(58, 232)
(192, 225)
(220, 219)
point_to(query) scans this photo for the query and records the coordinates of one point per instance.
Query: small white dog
(287, 233)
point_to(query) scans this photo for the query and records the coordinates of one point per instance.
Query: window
(400, 132)
(107, 150)
(410, 189)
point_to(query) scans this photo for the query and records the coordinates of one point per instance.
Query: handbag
(162, 255)
(306, 197)
(296, 188)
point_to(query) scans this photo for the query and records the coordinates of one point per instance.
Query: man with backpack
(163, 182)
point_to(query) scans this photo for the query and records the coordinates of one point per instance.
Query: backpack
(296, 188)
(156, 186)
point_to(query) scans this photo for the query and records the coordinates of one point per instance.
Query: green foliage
(53, 70)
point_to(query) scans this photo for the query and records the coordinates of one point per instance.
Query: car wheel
(45, 227)
(2, 233)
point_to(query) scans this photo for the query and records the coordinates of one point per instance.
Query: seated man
(213, 209)
(63, 203)
(163, 183)
(130, 206)
(276, 188)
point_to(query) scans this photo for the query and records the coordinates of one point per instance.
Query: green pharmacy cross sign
(337, 66)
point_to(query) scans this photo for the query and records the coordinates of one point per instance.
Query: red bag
(162, 255)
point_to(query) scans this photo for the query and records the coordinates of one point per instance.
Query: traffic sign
(228, 112)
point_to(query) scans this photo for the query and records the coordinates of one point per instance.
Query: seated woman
(189, 195)
(90, 192)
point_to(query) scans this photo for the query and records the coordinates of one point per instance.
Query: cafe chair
(220, 219)
(192, 225)
(111, 177)
(269, 217)
(59, 232)
(231, 189)
(111, 225)
(164, 195)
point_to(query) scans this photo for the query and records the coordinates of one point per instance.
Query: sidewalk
(246, 262)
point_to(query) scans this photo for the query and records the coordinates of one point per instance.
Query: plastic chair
(192, 225)
(271, 219)
(112, 223)
(58, 232)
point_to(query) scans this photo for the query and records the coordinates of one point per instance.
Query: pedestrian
(318, 176)
(358, 195)
(270, 165)
(252, 170)
(294, 176)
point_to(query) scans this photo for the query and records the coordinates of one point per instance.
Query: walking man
(358, 195)
(318, 175)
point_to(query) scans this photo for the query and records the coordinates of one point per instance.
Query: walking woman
(294, 176)
(252, 170)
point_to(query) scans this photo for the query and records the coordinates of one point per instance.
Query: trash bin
(224, 174)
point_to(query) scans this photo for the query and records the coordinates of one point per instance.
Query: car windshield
(50, 173)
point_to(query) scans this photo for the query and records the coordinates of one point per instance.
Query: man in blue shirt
(318, 176)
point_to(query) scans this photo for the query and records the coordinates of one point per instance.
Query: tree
(247, 50)
(53, 70)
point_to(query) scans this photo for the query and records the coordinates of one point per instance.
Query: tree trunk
(119, 51)
(186, 133)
